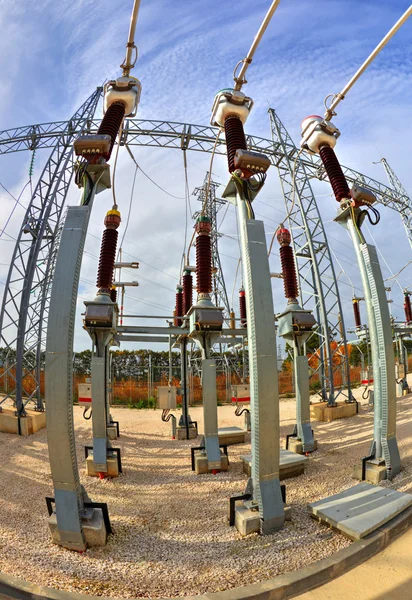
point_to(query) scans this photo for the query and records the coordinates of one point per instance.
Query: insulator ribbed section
(333, 169)
(203, 264)
(290, 282)
(187, 292)
(107, 259)
(242, 309)
(111, 122)
(113, 295)
(179, 307)
(408, 309)
(356, 313)
(235, 139)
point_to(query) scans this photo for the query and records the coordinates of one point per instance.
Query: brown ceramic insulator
(179, 306)
(107, 259)
(408, 309)
(203, 264)
(187, 292)
(333, 169)
(356, 313)
(235, 139)
(111, 122)
(113, 295)
(242, 308)
(290, 282)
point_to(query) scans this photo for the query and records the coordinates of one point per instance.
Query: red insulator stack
(108, 251)
(235, 139)
(290, 282)
(203, 256)
(187, 291)
(111, 122)
(113, 295)
(333, 169)
(407, 307)
(242, 308)
(179, 306)
(356, 312)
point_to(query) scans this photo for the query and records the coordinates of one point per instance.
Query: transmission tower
(27, 291)
(317, 279)
(211, 205)
(400, 193)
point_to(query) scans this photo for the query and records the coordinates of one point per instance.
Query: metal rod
(330, 111)
(130, 46)
(240, 79)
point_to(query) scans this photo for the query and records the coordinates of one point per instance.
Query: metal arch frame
(167, 135)
(317, 278)
(22, 314)
(401, 193)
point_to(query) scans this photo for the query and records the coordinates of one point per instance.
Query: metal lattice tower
(401, 194)
(317, 280)
(27, 291)
(212, 205)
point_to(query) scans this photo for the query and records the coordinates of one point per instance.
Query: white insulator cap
(230, 102)
(124, 89)
(317, 132)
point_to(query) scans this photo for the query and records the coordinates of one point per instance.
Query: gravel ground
(171, 535)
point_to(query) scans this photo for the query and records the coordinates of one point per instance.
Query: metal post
(264, 395)
(304, 429)
(383, 359)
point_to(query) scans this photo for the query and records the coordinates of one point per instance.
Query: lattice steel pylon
(27, 290)
(400, 194)
(206, 194)
(317, 280)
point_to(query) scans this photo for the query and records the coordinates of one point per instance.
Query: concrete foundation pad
(375, 473)
(290, 464)
(34, 421)
(112, 467)
(247, 520)
(296, 446)
(202, 465)
(360, 510)
(94, 529)
(231, 435)
(322, 412)
(111, 432)
(181, 433)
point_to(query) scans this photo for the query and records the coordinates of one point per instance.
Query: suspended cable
(187, 208)
(149, 178)
(17, 202)
(129, 212)
(343, 271)
(383, 258)
(396, 274)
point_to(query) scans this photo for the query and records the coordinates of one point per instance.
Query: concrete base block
(322, 412)
(112, 467)
(231, 435)
(296, 446)
(290, 464)
(34, 421)
(202, 465)
(181, 433)
(374, 473)
(94, 529)
(247, 521)
(111, 432)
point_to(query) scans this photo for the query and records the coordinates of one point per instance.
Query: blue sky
(53, 55)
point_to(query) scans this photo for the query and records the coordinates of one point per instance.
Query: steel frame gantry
(44, 215)
(27, 291)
